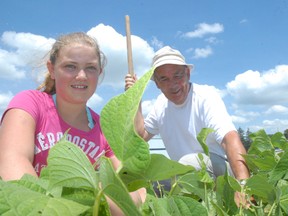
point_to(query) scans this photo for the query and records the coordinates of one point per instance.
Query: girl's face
(76, 72)
(173, 81)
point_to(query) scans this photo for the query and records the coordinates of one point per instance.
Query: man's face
(173, 81)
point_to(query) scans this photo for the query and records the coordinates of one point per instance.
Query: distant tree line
(245, 139)
(244, 136)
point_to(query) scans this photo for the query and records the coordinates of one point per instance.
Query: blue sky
(238, 47)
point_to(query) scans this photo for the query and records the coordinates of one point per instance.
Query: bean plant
(70, 184)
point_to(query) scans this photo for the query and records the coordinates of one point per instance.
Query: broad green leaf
(79, 195)
(279, 141)
(261, 142)
(225, 195)
(60, 207)
(160, 168)
(234, 184)
(280, 169)
(114, 188)
(117, 123)
(282, 193)
(175, 205)
(191, 183)
(18, 200)
(186, 206)
(69, 166)
(263, 161)
(220, 211)
(155, 206)
(259, 186)
(33, 183)
(202, 136)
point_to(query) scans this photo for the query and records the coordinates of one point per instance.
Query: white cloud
(212, 40)
(204, 29)
(114, 47)
(4, 100)
(147, 106)
(24, 50)
(275, 125)
(253, 87)
(243, 21)
(156, 43)
(248, 114)
(95, 101)
(239, 119)
(277, 109)
(202, 52)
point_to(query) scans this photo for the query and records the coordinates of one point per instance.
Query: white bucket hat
(167, 55)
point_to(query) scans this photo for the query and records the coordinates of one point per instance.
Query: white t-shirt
(179, 125)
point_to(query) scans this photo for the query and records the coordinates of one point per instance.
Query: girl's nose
(81, 74)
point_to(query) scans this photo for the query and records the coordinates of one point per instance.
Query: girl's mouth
(79, 86)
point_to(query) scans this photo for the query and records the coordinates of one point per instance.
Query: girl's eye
(70, 67)
(91, 69)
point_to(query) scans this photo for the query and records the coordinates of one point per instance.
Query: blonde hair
(48, 84)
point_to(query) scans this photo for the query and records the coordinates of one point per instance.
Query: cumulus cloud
(4, 100)
(254, 87)
(95, 101)
(239, 119)
(114, 47)
(243, 21)
(277, 109)
(156, 43)
(275, 125)
(204, 29)
(23, 50)
(202, 52)
(147, 106)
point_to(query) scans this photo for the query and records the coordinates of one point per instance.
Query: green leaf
(234, 184)
(79, 195)
(283, 188)
(175, 205)
(160, 168)
(192, 183)
(279, 141)
(155, 206)
(225, 195)
(259, 186)
(117, 123)
(202, 136)
(69, 166)
(114, 188)
(264, 161)
(16, 199)
(187, 206)
(261, 142)
(280, 169)
(60, 206)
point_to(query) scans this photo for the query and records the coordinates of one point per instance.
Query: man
(182, 111)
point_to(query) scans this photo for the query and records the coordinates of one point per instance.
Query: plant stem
(270, 212)
(97, 203)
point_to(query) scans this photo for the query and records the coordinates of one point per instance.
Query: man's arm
(234, 149)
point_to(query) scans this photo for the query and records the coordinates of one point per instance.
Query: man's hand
(241, 200)
(130, 81)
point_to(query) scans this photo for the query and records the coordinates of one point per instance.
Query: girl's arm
(17, 133)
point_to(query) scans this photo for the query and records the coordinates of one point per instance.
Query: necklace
(88, 112)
